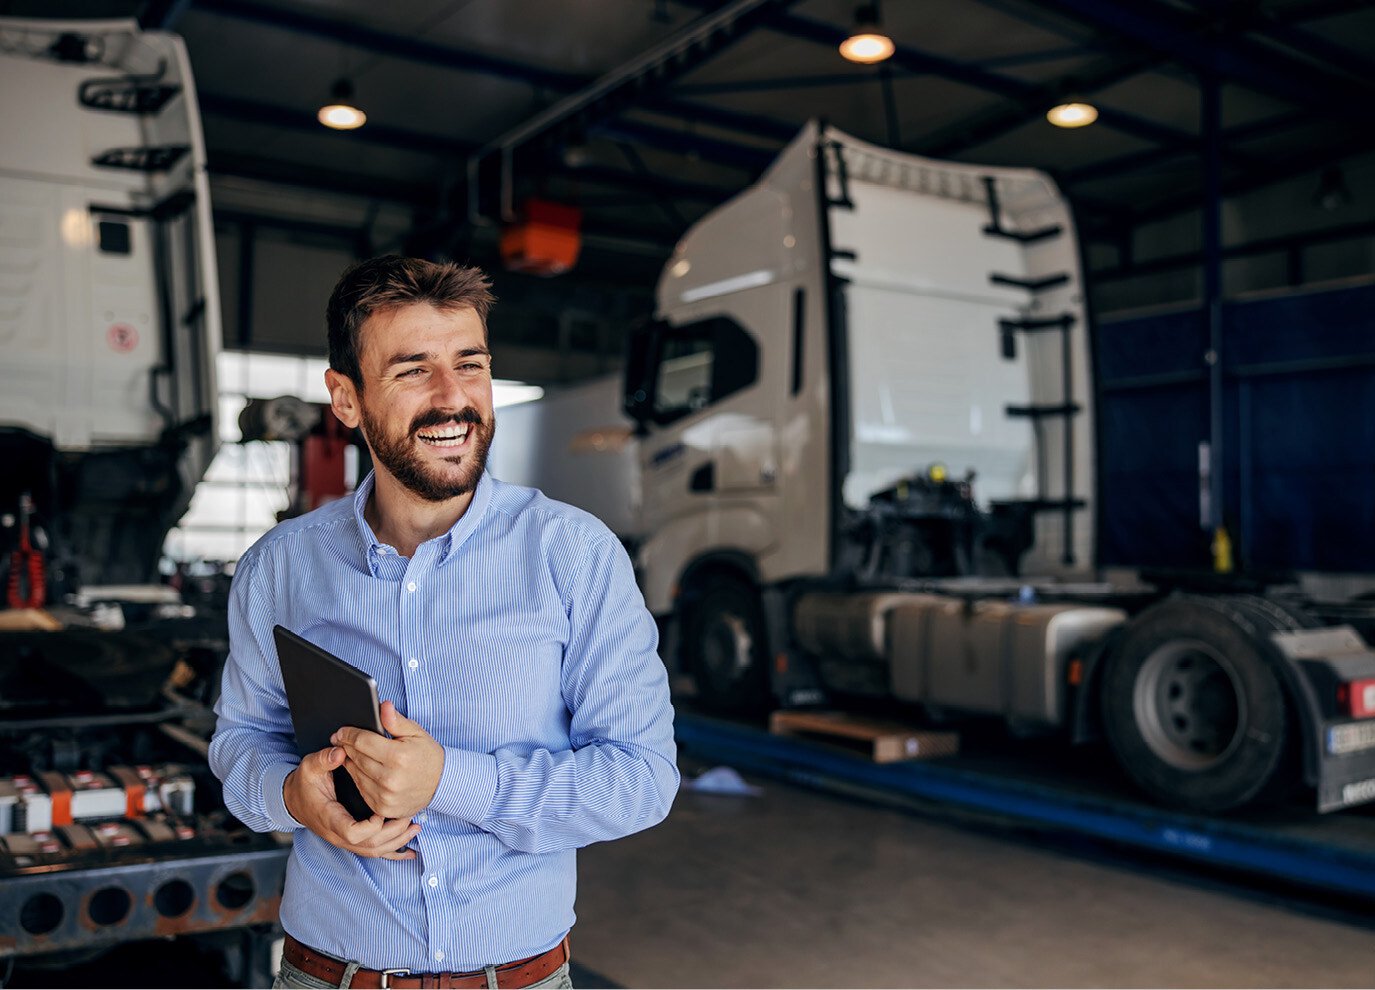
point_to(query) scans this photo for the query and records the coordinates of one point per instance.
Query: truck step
(1062, 322)
(1037, 412)
(881, 741)
(126, 95)
(141, 159)
(1029, 237)
(1030, 284)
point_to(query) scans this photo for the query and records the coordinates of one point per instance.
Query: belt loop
(349, 970)
(491, 972)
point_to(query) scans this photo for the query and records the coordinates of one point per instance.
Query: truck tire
(1194, 708)
(724, 647)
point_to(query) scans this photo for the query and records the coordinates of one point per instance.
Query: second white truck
(862, 468)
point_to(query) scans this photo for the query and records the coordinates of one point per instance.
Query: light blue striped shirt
(520, 642)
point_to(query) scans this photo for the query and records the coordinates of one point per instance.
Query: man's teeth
(450, 437)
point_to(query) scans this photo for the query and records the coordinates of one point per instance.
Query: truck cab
(867, 367)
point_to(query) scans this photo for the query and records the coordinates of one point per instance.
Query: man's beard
(398, 454)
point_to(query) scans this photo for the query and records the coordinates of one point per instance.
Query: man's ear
(343, 398)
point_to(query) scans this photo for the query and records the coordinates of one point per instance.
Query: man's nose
(447, 389)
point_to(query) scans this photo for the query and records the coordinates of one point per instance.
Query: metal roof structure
(646, 113)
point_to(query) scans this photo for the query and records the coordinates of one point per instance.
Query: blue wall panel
(1299, 433)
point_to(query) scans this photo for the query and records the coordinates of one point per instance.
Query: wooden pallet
(881, 741)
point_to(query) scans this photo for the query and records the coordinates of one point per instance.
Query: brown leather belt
(521, 973)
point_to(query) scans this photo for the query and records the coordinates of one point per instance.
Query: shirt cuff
(274, 801)
(467, 786)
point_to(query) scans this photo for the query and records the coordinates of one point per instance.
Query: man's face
(426, 402)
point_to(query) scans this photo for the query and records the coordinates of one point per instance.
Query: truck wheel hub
(1188, 705)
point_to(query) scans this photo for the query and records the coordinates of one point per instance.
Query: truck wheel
(1194, 710)
(725, 650)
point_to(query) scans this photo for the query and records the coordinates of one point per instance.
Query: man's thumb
(396, 723)
(329, 758)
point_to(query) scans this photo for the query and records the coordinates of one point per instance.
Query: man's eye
(409, 373)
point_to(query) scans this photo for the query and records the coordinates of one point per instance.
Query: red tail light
(1357, 698)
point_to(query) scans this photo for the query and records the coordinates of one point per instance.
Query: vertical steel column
(1212, 284)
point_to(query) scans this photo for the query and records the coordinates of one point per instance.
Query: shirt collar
(448, 542)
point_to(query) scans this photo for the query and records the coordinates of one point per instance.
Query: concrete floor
(796, 888)
(801, 889)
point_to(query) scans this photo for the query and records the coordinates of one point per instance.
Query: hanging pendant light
(867, 44)
(340, 113)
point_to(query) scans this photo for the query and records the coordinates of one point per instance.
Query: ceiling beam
(916, 61)
(1248, 249)
(1138, 161)
(991, 124)
(462, 60)
(1252, 18)
(1308, 160)
(1194, 43)
(222, 162)
(256, 112)
(399, 46)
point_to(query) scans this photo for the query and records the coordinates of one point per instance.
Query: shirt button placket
(411, 621)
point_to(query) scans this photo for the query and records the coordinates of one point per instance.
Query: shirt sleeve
(253, 749)
(620, 774)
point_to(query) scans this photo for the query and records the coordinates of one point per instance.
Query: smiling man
(526, 710)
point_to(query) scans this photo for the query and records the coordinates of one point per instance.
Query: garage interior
(1187, 452)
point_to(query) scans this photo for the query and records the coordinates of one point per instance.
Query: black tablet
(325, 693)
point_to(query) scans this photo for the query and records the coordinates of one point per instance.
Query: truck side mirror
(638, 388)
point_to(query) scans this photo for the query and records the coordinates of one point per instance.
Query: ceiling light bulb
(341, 114)
(1072, 114)
(867, 48)
(342, 117)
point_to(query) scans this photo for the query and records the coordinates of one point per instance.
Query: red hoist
(26, 584)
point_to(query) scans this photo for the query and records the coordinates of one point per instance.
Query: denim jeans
(292, 978)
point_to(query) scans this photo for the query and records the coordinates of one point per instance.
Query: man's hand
(309, 795)
(396, 776)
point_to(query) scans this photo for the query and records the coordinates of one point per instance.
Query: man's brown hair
(391, 281)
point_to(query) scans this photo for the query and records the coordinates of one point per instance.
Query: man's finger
(324, 760)
(389, 839)
(362, 831)
(359, 762)
(338, 819)
(396, 834)
(361, 741)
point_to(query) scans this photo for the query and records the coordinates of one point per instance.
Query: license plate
(1350, 738)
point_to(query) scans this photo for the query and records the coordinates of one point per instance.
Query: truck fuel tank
(848, 634)
(991, 657)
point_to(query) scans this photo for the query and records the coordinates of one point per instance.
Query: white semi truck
(111, 825)
(862, 468)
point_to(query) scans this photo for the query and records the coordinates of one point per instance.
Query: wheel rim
(727, 649)
(1189, 705)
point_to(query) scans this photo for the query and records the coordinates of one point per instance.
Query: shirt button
(439, 957)
(434, 881)
(411, 587)
(423, 818)
(413, 663)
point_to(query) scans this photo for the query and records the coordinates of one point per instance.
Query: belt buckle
(387, 974)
